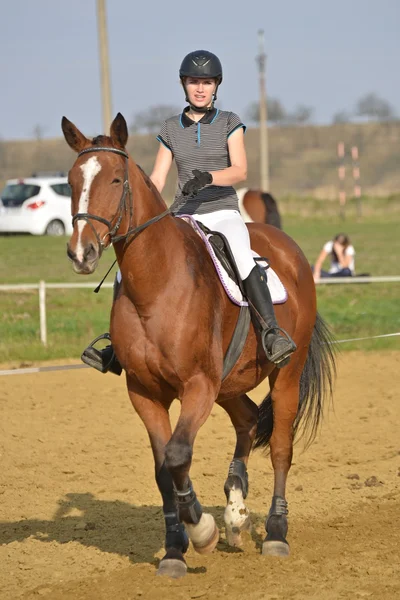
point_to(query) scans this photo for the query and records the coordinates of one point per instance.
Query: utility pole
(104, 66)
(264, 156)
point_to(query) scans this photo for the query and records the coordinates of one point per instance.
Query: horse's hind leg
(156, 419)
(285, 398)
(243, 413)
(197, 400)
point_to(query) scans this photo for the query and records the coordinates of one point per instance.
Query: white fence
(42, 286)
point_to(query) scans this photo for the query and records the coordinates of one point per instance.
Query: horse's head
(101, 195)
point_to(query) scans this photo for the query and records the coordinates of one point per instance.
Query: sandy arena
(80, 513)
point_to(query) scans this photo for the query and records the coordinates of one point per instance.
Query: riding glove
(199, 181)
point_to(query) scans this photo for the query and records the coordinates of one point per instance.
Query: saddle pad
(277, 290)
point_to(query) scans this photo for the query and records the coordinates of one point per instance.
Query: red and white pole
(342, 175)
(356, 178)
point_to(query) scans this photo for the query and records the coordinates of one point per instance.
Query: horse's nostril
(70, 253)
(90, 252)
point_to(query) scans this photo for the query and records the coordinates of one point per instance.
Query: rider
(208, 147)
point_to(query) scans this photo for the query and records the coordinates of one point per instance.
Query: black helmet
(201, 63)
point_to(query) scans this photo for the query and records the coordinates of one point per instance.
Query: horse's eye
(116, 180)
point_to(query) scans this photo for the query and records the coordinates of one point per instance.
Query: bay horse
(171, 324)
(257, 206)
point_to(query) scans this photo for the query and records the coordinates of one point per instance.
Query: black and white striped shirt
(204, 146)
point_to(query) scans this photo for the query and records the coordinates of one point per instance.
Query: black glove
(200, 180)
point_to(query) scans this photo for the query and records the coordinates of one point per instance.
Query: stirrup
(281, 357)
(94, 358)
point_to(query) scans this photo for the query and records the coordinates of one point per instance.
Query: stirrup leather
(282, 357)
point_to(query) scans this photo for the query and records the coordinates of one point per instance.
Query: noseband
(122, 207)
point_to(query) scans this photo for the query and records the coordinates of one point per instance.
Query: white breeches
(232, 226)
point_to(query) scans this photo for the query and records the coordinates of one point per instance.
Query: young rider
(208, 147)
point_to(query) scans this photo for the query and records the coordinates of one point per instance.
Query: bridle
(125, 204)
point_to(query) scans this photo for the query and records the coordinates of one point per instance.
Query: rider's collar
(208, 117)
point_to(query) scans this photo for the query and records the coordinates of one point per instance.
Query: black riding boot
(103, 360)
(277, 344)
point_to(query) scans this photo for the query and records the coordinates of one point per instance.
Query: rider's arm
(237, 154)
(161, 167)
(319, 262)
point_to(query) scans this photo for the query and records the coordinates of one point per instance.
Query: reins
(122, 207)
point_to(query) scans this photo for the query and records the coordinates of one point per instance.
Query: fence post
(42, 311)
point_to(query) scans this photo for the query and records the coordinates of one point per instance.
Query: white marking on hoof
(204, 535)
(275, 548)
(172, 567)
(236, 517)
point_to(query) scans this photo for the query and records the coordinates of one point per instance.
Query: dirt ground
(80, 515)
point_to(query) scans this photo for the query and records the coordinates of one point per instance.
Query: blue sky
(323, 54)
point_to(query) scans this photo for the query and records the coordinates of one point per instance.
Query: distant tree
(302, 115)
(374, 107)
(341, 117)
(38, 132)
(276, 111)
(151, 119)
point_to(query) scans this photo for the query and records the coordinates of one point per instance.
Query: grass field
(74, 317)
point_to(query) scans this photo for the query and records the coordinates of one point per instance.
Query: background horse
(258, 207)
(171, 325)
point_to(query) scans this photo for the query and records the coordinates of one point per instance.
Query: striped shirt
(203, 146)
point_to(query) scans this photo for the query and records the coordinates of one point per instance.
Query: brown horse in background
(258, 207)
(171, 324)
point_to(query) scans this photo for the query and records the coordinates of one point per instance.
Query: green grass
(75, 317)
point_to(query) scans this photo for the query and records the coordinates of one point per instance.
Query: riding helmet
(201, 63)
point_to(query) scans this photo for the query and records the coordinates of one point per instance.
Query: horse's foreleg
(243, 413)
(156, 420)
(285, 403)
(197, 401)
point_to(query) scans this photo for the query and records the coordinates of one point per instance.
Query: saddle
(225, 265)
(219, 249)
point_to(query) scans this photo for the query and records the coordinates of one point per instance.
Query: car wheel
(55, 228)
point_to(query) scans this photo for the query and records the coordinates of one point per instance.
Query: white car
(40, 205)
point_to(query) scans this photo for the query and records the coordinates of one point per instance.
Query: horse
(258, 207)
(171, 324)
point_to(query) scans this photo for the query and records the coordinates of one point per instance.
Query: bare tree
(276, 112)
(302, 115)
(374, 107)
(151, 119)
(341, 117)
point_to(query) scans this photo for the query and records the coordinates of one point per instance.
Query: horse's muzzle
(84, 260)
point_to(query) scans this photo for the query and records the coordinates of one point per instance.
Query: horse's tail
(316, 384)
(271, 206)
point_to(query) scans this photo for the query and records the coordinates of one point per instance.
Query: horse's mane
(147, 180)
(102, 140)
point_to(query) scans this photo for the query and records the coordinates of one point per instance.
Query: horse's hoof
(275, 548)
(233, 534)
(209, 545)
(172, 567)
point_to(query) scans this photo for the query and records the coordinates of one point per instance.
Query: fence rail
(42, 286)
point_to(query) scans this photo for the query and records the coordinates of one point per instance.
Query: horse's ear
(74, 138)
(119, 131)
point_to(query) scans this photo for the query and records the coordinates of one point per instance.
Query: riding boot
(103, 360)
(277, 344)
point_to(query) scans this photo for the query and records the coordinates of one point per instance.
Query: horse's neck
(146, 260)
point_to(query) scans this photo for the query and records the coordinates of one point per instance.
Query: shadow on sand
(111, 526)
